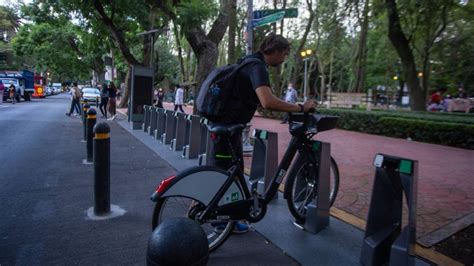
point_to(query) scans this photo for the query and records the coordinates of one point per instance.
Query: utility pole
(249, 26)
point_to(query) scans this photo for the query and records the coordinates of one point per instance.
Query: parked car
(91, 94)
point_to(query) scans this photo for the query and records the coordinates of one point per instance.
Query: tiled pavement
(445, 184)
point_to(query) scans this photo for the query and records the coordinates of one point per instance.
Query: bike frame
(239, 210)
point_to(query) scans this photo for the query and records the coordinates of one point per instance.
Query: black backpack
(215, 95)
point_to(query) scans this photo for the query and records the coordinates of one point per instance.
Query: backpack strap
(247, 61)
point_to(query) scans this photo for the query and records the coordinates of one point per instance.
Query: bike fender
(203, 186)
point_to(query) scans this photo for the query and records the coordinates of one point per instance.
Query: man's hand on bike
(310, 106)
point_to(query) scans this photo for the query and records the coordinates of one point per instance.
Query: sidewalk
(445, 186)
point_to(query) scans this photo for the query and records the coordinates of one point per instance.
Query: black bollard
(101, 169)
(178, 241)
(91, 119)
(84, 120)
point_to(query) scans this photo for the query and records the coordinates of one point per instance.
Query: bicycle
(215, 198)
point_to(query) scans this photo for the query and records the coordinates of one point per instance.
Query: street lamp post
(305, 55)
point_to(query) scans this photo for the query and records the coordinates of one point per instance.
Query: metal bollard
(84, 120)
(91, 119)
(101, 169)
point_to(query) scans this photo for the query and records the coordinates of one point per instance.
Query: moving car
(91, 94)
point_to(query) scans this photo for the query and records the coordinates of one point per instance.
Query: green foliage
(444, 133)
(445, 129)
(450, 129)
(193, 12)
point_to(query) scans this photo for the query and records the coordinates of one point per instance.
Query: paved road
(45, 191)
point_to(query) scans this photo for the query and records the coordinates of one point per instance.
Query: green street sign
(268, 19)
(289, 12)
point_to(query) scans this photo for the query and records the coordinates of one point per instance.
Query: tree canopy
(357, 44)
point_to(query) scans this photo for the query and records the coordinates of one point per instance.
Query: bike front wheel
(303, 187)
(178, 206)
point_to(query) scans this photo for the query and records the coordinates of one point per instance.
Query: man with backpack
(234, 98)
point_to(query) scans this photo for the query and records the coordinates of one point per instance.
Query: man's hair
(274, 43)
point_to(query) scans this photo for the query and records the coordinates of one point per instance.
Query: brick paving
(445, 184)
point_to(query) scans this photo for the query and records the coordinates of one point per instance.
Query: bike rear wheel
(178, 206)
(303, 187)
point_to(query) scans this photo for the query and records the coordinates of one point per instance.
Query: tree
(427, 27)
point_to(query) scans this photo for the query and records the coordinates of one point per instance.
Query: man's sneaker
(240, 228)
(219, 227)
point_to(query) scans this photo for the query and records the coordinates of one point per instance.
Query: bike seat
(225, 129)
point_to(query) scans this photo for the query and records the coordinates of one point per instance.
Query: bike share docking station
(264, 160)
(177, 143)
(152, 124)
(317, 212)
(192, 138)
(170, 127)
(146, 117)
(160, 123)
(204, 145)
(384, 241)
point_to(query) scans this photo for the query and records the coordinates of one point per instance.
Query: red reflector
(213, 136)
(164, 184)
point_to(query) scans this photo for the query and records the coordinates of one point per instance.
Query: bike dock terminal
(332, 242)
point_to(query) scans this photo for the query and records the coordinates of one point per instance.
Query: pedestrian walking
(104, 100)
(12, 92)
(291, 96)
(161, 96)
(112, 101)
(179, 98)
(2, 89)
(76, 96)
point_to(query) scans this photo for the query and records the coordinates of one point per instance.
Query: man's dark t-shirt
(249, 78)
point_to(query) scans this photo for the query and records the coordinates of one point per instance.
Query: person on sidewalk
(254, 89)
(12, 92)
(291, 96)
(2, 89)
(112, 101)
(76, 96)
(104, 99)
(158, 98)
(179, 99)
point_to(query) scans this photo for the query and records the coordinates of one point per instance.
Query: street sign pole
(249, 26)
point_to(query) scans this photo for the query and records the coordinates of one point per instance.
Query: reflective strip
(223, 156)
(91, 116)
(101, 135)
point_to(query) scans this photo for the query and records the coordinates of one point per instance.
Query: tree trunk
(116, 33)
(205, 46)
(126, 93)
(401, 44)
(180, 51)
(361, 57)
(231, 57)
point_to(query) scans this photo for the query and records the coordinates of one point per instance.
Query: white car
(91, 94)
